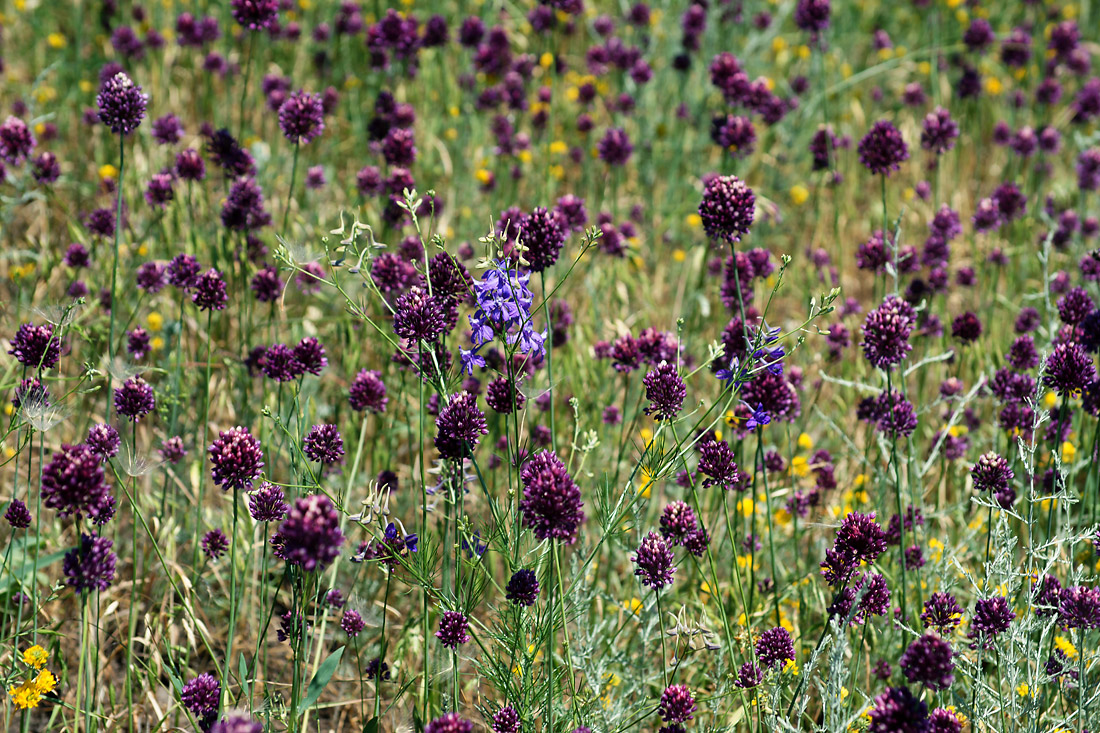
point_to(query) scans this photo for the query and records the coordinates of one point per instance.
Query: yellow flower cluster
(28, 693)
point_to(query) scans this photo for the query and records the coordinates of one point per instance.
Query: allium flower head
(774, 647)
(351, 623)
(939, 131)
(812, 16)
(134, 399)
(302, 117)
(677, 704)
(677, 521)
(73, 482)
(898, 711)
(367, 392)
(255, 15)
(1069, 369)
(452, 629)
(551, 503)
(716, 462)
(665, 391)
(310, 534)
(543, 233)
(506, 720)
(615, 148)
(201, 695)
(460, 424)
(449, 723)
(929, 661)
(886, 332)
(992, 617)
(522, 588)
(942, 613)
(214, 544)
(727, 209)
(882, 150)
(859, 539)
(654, 562)
(35, 346)
(1079, 607)
(17, 515)
(268, 503)
(237, 724)
(103, 440)
(16, 141)
(324, 444)
(237, 459)
(121, 104)
(90, 565)
(991, 473)
(243, 209)
(209, 291)
(418, 316)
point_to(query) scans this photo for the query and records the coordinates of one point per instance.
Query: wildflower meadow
(550, 366)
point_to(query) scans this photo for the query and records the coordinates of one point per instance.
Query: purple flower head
(324, 444)
(1075, 306)
(121, 104)
(522, 588)
(301, 117)
(1079, 608)
(939, 131)
(134, 399)
(543, 233)
(677, 521)
(551, 503)
(310, 354)
(236, 459)
(46, 169)
(1069, 369)
(452, 629)
(991, 473)
(992, 617)
(898, 711)
(449, 723)
(654, 562)
(138, 343)
(942, 613)
(172, 449)
(151, 277)
(167, 130)
(774, 647)
(255, 15)
(268, 503)
(367, 392)
(91, 564)
(16, 141)
(886, 332)
(929, 661)
(280, 364)
(214, 544)
(183, 271)
(267, 285)
(237, 724)
(101, 223)
(504, 397)
(244, 206)
(73, 482)
(677, 704)
(665, 391)
(209, 291)
(716, 462)
(418, 316)
(506, 720)
(159, 191)
(35, 346)
(812, 16)
(351, 623)
(882, 149)
(859, 539)
(727, 208)
(461, 425)
(17, 515)
(310, 534)
(615, 148)
(201, 695)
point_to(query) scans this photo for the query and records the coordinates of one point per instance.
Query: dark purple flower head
(1079, 608)
(774, 647)
(551, 504)
(503, 396)
(209, 291)
(134, 399)
(449, 723)
(882, 149)
(1075, 306)
(886, 332)
(244, 206)
(812, 16)
(677, 521)
(367, 392)
(942, 720)
(104, 441)
(236, 459)
(310, 534)
(1069, 369)
(992, 617)
(201, 695)
(301, 117)
(151, 277)
(942, 613)
(654, 562)
(172, 449)
(929, 661)
(966, 327)
(159, 191)
(615, 148)
(310, 353)
(228, 154)
(214, 544)
(268, 503)
(121, 104)
(91, 564)
(324, 444)
(16, 141)
(280, 364)
(939, 131)
(418, 316)
(351, 623)
(399, 147)
(255, 15)
(1088, 169)
(543, 233)
(35, 346)
(727, 208)
(452, 629)
(460, 424)
(73, 482)
(46, 169)
(506, 720)
(665, 391)
(167, 130)
(716, 462)
(183, 271)
(677, 704)
(898, 711)
(237, 724)
(17, 515)
(991, 473)
(522, 588)
(859, 539)
(267, 285)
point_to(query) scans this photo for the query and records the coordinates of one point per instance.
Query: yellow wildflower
(36, 657)
(1066, 647)
(45, 682)
(25, 695)
(799, 194)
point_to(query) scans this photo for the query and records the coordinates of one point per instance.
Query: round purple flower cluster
(551, 505)
(236, 459)
(654, 562)
(310, 536)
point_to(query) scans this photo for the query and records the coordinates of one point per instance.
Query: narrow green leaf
(320, 680)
